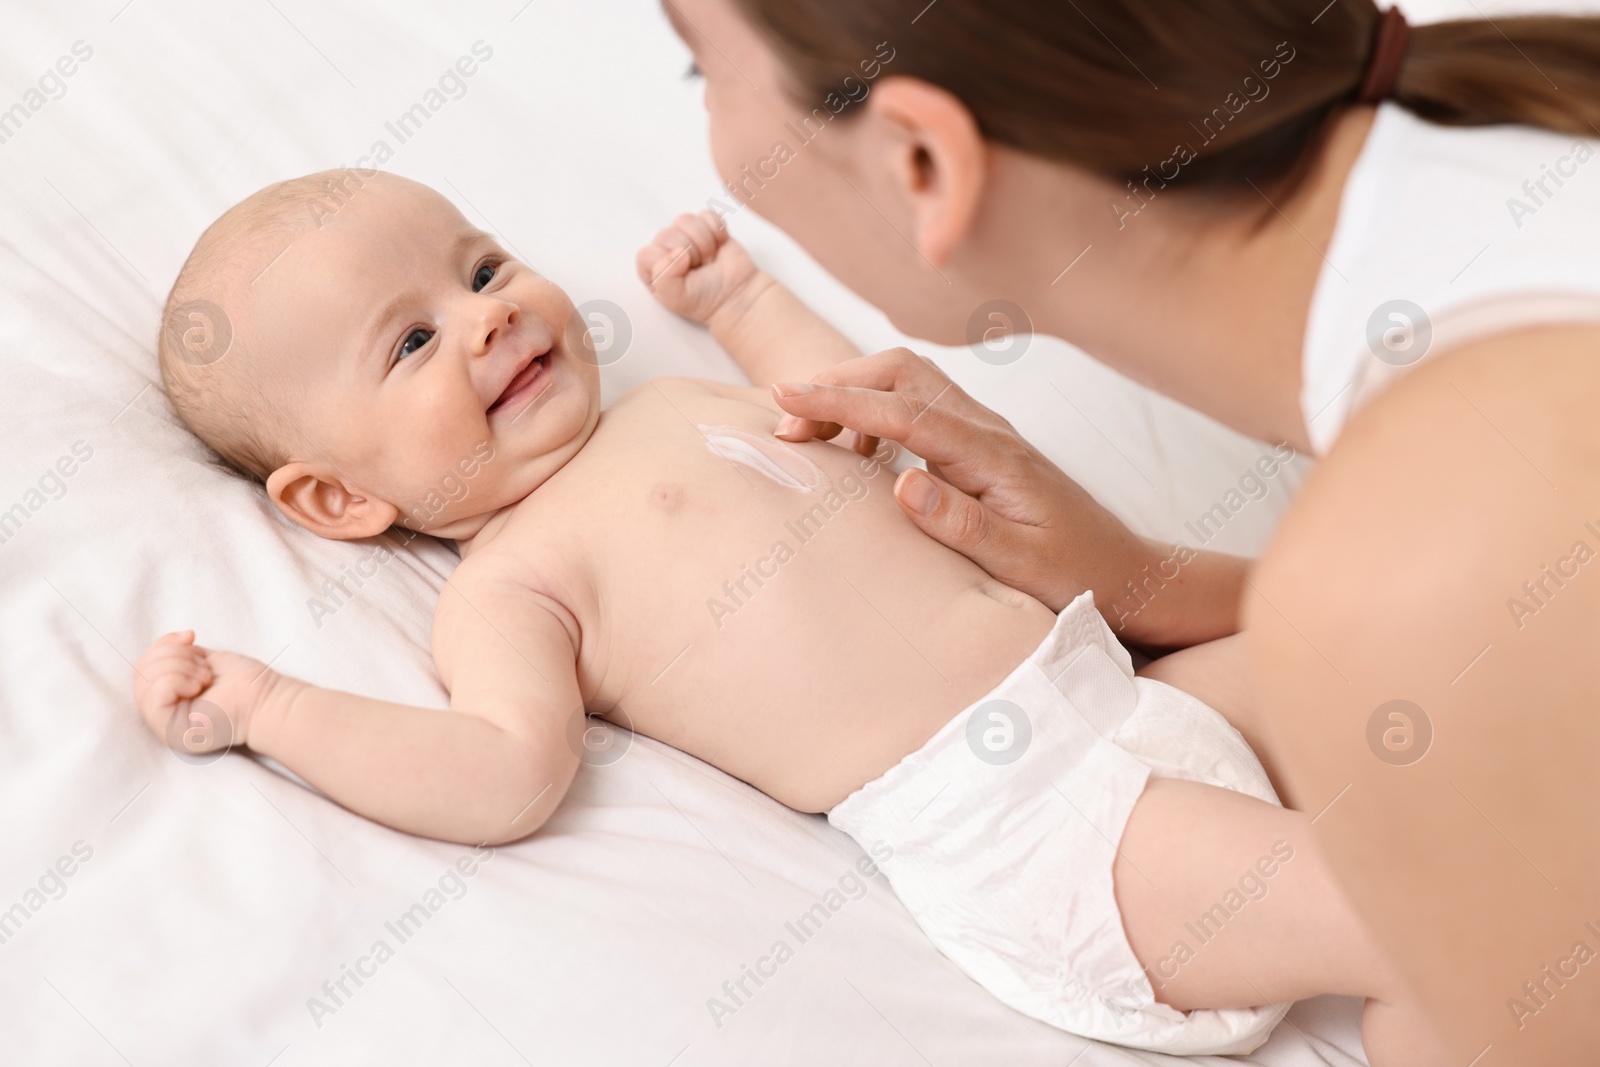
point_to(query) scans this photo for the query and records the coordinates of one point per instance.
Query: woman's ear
(327, 507)
(941, 160)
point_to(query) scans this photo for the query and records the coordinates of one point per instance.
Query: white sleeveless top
(1447, 234)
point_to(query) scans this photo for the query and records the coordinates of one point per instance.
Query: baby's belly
(808, 659)
(820, 692)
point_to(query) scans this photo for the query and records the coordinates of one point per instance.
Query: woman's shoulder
(1437, 224)
(1450, 487)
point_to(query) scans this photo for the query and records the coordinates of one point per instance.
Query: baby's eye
(693, 71)
(414, 341)
(483, 276)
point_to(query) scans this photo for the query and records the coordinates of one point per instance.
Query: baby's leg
(1219, 673)
(1227, 903)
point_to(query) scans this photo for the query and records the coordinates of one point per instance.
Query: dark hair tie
(1383, 63)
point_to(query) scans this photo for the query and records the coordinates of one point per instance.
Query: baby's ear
(320, 501)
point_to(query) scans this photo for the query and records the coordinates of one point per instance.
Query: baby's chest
(686, 455)
(677, 495)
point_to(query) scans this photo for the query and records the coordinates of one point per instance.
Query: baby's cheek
(555, 307)
(453, 487)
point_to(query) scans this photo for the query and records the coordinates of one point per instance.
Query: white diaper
(1005, 824)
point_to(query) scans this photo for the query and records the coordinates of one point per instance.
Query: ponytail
(1538, 70)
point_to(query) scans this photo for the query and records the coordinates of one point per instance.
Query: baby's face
(424, 366)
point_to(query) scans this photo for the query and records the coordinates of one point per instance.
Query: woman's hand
(988, 493)
(996, 499)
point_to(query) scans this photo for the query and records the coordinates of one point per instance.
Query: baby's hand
(693, 266)
(181, 689)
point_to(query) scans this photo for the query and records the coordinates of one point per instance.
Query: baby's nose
(496, 326)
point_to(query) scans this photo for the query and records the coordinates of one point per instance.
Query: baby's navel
(767, 456)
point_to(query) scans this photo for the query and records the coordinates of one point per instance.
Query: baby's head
(351, 341)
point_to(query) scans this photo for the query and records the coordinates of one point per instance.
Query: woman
(1209, 199)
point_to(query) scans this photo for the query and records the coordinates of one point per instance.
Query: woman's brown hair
(1217, 91)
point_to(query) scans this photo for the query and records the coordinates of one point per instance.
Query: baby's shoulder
(503, 586)
(515, 560)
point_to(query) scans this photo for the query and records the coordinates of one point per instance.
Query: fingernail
(787, 424)
(783, 389)
(920, 492)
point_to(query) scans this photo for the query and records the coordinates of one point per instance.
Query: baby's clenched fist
(693, 267)
(200, 700)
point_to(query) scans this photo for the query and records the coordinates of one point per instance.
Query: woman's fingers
(951, 517)
(865, 444)
(794, 428)
(929, 426)
(897, 370)
(886, 372)
(867, 410)
(890, 394)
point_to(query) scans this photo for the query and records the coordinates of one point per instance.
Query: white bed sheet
(208, 904)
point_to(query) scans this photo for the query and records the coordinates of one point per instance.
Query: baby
(674, 567)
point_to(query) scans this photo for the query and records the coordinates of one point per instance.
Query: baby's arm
(490, 769)
(695, 269)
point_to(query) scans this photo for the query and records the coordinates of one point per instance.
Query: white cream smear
(767, 456)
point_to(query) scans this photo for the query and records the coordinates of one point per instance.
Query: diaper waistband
(1079, 658)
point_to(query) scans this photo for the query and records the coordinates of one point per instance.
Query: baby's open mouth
(524, 380)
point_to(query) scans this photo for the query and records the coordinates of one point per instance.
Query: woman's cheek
(740, 132)
(723, 147)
